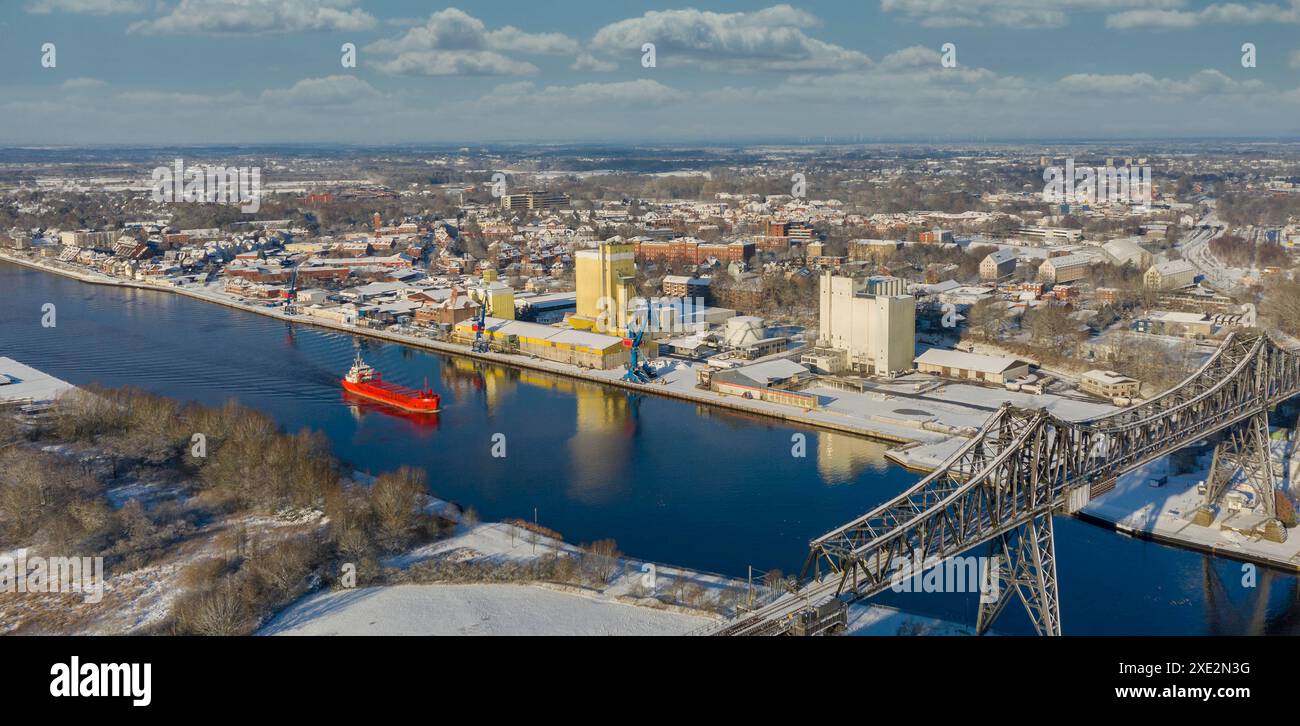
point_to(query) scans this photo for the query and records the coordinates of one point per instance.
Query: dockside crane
(637, 371)
(480, 325)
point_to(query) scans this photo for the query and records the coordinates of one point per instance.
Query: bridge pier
(1244, 449)
(1026, 569)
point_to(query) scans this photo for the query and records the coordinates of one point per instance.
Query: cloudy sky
(253, 71)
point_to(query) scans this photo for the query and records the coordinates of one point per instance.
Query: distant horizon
(400, 72)
(661, 144)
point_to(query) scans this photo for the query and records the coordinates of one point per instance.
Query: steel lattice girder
(1023, 464)
(1245, 449)
(1030, 575)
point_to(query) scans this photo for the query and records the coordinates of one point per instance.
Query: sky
(566, 71)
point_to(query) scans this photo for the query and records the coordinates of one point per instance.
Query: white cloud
(589, 62)
(908, 87)
(512, 39)
(1224, 14)
(82, 84)
(1010, 13)
(86, 7)
(456, 63)
(615, 96)
(1152, 19)
(917, 55)
(219, 17)
(769, 39)
(336, 91)
(452, 43)
(1202, 83)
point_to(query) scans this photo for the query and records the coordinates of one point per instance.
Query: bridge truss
(1003, 486)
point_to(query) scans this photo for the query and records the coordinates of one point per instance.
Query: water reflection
(600, 447)
(420, 425)
(842, 458)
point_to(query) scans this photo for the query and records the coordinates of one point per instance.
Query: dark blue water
(670, 481)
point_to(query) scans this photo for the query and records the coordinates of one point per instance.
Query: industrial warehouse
(581, 348)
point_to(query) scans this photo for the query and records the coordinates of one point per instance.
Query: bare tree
(602, 558)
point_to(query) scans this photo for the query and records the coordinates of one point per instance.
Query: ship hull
(389, 398)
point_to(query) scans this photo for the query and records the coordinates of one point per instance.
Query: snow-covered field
(472, 610)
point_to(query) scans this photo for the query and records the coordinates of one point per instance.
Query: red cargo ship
(366, 382)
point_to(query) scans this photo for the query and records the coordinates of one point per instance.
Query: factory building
(500, 300)
(873, 334)
(581, 348)
(606, 282)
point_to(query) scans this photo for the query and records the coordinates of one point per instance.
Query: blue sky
(253, 71)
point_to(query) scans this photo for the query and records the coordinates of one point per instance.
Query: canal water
(668, 480)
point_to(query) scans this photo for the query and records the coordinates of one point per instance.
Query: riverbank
(935, 416)
(1164, 514)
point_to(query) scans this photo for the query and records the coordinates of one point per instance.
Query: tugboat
(365, 381)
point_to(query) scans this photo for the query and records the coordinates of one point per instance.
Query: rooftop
(967, 361)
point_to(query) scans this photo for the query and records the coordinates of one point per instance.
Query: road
(1196, 250)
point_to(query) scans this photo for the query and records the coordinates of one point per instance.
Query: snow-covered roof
(967, 361)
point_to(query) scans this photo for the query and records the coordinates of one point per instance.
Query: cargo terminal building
(581, 348)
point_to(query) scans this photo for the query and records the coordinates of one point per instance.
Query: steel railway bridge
(1002, 487)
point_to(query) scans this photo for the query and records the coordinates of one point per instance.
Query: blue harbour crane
(637, 370)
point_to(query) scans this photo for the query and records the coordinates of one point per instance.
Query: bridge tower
(1245, 449)
(1026, 558)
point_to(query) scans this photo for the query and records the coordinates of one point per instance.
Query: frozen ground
(526, 610)
(1166, 511)
(28, 383)
(911, 408)
(625, 607)
(472, 610)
